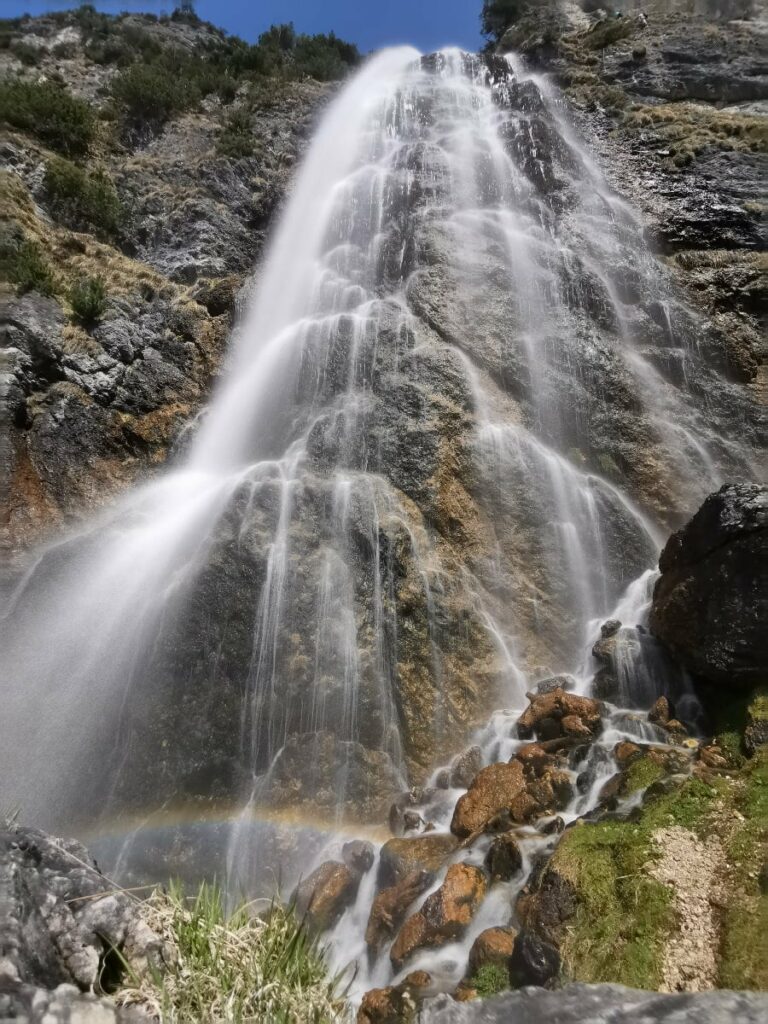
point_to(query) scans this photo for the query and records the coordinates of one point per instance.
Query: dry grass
(233, 969)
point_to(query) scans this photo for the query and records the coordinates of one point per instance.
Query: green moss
(489, 980)
(641, 774)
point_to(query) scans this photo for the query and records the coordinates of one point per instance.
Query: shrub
(48, 112)
(29, 55)
(88, 298)
(153, 93)
(236, 138)
(24, 265)
(82, 201)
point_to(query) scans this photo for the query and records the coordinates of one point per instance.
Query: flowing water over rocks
(464, 407)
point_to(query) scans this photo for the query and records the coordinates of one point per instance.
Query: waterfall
(453, 428)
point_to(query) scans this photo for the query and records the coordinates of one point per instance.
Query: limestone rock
(559, 711)
(494, 790)
(465, 768)
(358, 855)
(390, 906)
(323, 896)
(444, 916)
(710, 604)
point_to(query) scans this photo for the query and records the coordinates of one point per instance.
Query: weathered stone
(358, 855)
(323, 896)
(534, 759)
(504, 859)
(393, 1005)
(492, 946)
(390, 906)
(494, 789)
(626, 752)
(563, 682)
(661, 712)
(444, 916)
(465, 768)
(400, 857)
(533, 961)
(710, 604)
(551, 710)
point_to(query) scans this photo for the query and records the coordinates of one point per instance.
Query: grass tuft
(238, 968)
(489, 980)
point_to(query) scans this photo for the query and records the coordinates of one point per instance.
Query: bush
(29, 55)
(24, 265)
(88, 298)
(236, 138)
(48, 112)
(153, 93)
(82, 201)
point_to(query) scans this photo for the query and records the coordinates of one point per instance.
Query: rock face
(323, 896)
(599, 1004)
(710, 605)
(399, 857)
(61, 920)
(444, 916)
(390, 907)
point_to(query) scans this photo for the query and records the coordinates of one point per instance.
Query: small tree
(88, 298)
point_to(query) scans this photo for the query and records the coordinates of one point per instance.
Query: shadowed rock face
(710, 605)
(599, 1004)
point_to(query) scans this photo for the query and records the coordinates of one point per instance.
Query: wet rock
(535, 759)
(400, 857)
(443, 779)
(626, 752)
(58, 927)
(504, 859)
(612, 790)
(323, 896)
(393, 1005)
(564, 682)
(495, 789)
(552, 792)
(600, 1004)
(661, 712)
(553, 827)
(710, 603)
(391, 905)
(444, 916)
(605, 684)
(358, 855)
(465, 768)
(533, 961)
(549, 711)
(548, 901)
(492, 946)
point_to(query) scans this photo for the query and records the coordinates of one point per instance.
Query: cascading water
(459, 409)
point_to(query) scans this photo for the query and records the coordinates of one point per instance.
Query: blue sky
(427, 24)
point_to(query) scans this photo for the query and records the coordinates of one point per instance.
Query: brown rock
(552, 792)
(712, 757)
(626, 752)
(534, 759)
(391, 905)
(493, 790)
(464, 992)
(324, 895)
(394, 1005)
(465, 767)
(675, 727)
(546, 713)
(358, 855)
(504, 859)
(400, 857)
(661, 712)
(493, 946)
(445, 914)
(572, 725)
(612, 789)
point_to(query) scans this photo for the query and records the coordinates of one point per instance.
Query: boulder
(396, 1004)
(494, 790)
(559, 712)
(445, 915)
(661, 712)
(710, 604)
(390, 906)
(323, 896)
(626, 752)
(533, 961)
(358, 855)
(465, 767)
(493, 946)
(400, 857)
(504, 859)
(564, 682)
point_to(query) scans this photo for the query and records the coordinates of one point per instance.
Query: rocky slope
(89, 408)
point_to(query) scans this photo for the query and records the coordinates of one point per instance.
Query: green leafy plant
(48, 112)
(88, 298)
(236, 138)
(80, 200)
(489, 980)
(153, 93)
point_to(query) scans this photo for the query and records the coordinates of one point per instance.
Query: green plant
(48, 112)
(88, 298)
(489, 980)
(24, 265)
(80, 200)
(236, 138)
(153, 93)
(236, 968)
(29, 55)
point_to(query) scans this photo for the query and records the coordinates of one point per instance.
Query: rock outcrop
(710, 605)
(599, 1004)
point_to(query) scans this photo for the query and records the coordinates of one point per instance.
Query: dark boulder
(710, 605)
(533, 961)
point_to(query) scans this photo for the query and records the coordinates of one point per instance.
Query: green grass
(489, 980)
(641, 774)
(234, 968)
(50, 113)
